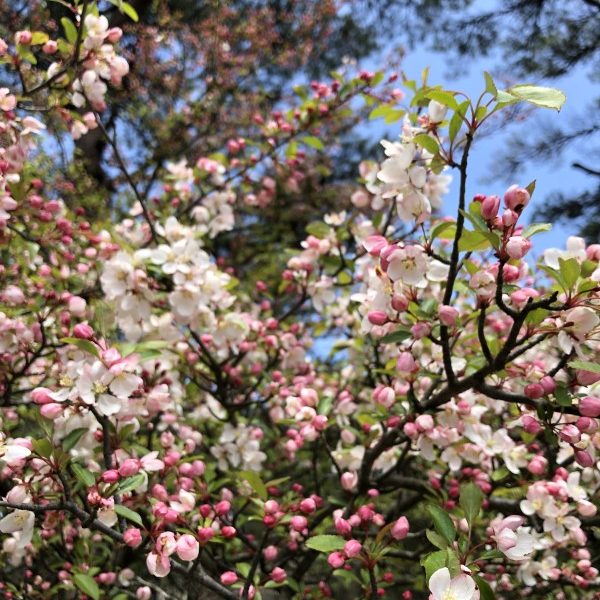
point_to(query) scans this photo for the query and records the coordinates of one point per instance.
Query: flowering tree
(407, 408)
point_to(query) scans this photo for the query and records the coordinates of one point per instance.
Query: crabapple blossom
(187, 377)
(444, 587)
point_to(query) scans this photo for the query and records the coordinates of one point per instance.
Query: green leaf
(128, 514)
(313, 142)
(536, 228)
(84, 345)
(500, 474)
(473, 240)
(395, 337)
(326, 543)
(588, 267)
(563, 398)
(427, 142)
(292, 149)
(38, 37)
(452, 562)
(531, 187)
(70, 30)
(490, 554)
(585, 365)
(570, 270)
(485, 591)
(535, 317)
(377, 78)
(387, 112)
(73, 437)
(442, 522)
(457, 120)
(444, 230)
(130, 483)
(87, 585)
(443, 97)
(318, 229)
(490, 86)
(43, 447)
(474, 216)
(434, 562)
(26, 54)
(82, 474)
(130, 12)
(471, 501)
(256, 483)
(504, 98)
(539, 96)
(436, 539)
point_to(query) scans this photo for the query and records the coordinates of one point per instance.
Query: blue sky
(551, 176)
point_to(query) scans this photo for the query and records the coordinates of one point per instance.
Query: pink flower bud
(586, 508)
(400, 528)
(531, 425)
(399, 302)
(511, 273)
(516, 198)
(143, 593)
(129, 468)
(587, 377)
(583, 423)
(548, 384)
(534, 391)
(205, 534)
(424, 423)
(584, 458)
(448, 315)
(589, 406)
(517, 246)
(343, 527)
(509, 218)
(360, 199)
(336, 560)
(52, 411)
(271, 507)
(384, 395)
(228, 578)
(222, 507)
(41, 395)
(308, 506)
(349, 480)
(50, 47)
(23, 37)
(406, 363)
(77, 306)
(278, 575)
(377, 317)
(188, 547)
(228, 532)
(111, 476)
(489, 207)
(420, 330)
(83, 331)
(537, 465)
(132, 537)
(271, 553)
(411, 430)
(114, 34)
(593, 252)
(352, 548)
(299, 523)
(570, 434)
